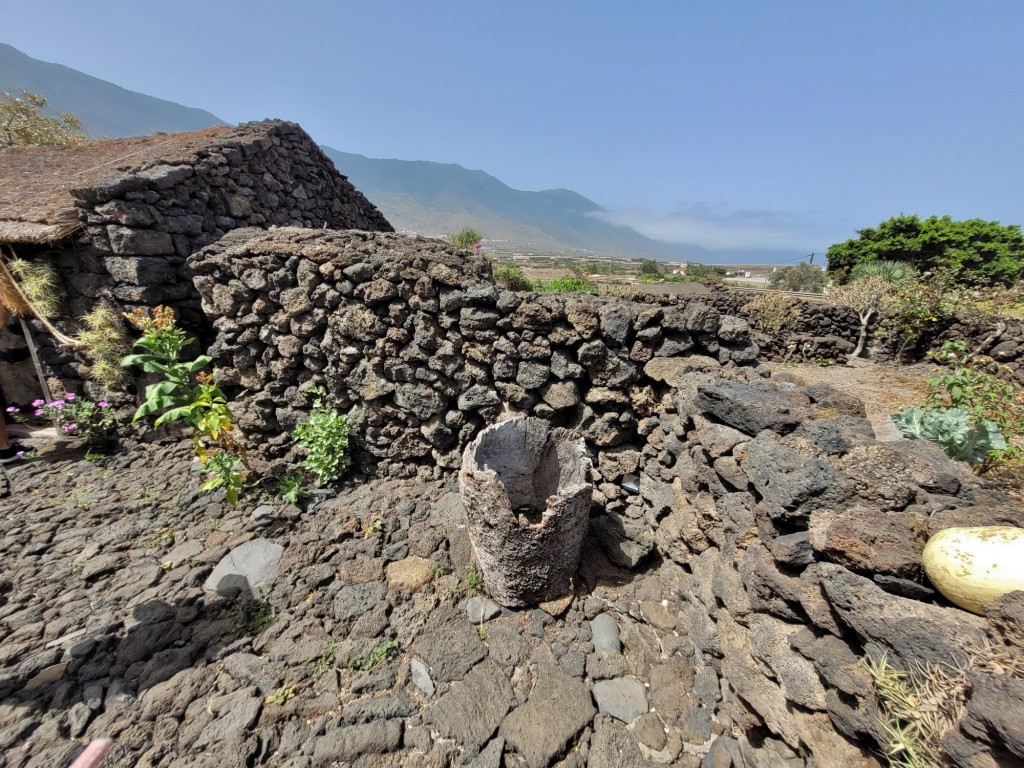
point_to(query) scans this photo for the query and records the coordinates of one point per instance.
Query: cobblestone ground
(361, 648)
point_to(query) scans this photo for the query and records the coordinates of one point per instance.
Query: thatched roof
(36, 204)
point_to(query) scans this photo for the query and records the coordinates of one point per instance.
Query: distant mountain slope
(104, 108)
(426, 197)
(436, 198)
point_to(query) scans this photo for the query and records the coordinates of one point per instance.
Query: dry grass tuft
(920, 706)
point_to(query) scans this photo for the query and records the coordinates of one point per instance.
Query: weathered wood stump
(527, 490)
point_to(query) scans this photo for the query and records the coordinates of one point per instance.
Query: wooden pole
(35, 359)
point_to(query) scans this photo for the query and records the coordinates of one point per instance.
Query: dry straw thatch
(36, 204)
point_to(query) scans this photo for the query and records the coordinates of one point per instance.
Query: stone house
(118, 219)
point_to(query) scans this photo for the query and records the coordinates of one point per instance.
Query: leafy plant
(987, 391)
(282, 695)
(954, 431)
(474, 579)
(440, 568)
(565, 285)
(803, 278)
(323, 663)
(973, 251)
(650, 268)
(705, 272)
(201, 406)
(252, 616)
(893, 272)
(161, 538)
(290, 487)
(375, 527)
(325, 437)
(379, 655)
(511, 277)
(75, 416)
(602, 268)
(224, 470)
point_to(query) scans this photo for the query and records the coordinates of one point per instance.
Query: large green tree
(22, 123)
(972, 251)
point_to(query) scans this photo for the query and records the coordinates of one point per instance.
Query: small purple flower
(57, 404)
(69, 396)
(13, 409)
(39, 412)
(67, 429)
(20, 453)
(102, 404)
(38, 402)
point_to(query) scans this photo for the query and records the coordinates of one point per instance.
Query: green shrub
(511, 277)
(566, 285)
(802, 278)
(772, 312)
(202, 406)
(467, 237)
(650, 268)
(324, 436)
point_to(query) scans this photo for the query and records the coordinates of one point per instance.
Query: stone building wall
(141, 224)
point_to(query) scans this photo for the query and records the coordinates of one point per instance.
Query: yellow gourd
(974, 566)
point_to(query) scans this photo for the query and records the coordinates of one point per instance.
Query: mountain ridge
(105, 109)
(415, 195)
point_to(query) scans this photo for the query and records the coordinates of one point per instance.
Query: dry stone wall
(413, 337)
(823, 331)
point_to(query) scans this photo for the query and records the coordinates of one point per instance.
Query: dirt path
(885, 389)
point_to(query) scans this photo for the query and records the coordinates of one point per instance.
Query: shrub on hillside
(467, 237)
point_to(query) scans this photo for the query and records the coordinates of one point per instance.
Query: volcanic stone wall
(823, 331)
(800, 538)
(415, 339)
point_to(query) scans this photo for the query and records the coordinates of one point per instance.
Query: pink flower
(67, 429)
(13, 409)
(57, 404)
(38, 402)
(102, 404)
(69, 396)
(39, 412)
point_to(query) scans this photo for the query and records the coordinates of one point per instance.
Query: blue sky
(745, 124)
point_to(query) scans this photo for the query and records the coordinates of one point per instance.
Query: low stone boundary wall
(414, 338)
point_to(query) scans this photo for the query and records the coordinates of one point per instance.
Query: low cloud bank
(717, 227)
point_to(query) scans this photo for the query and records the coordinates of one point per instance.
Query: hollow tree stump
(527, 491)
